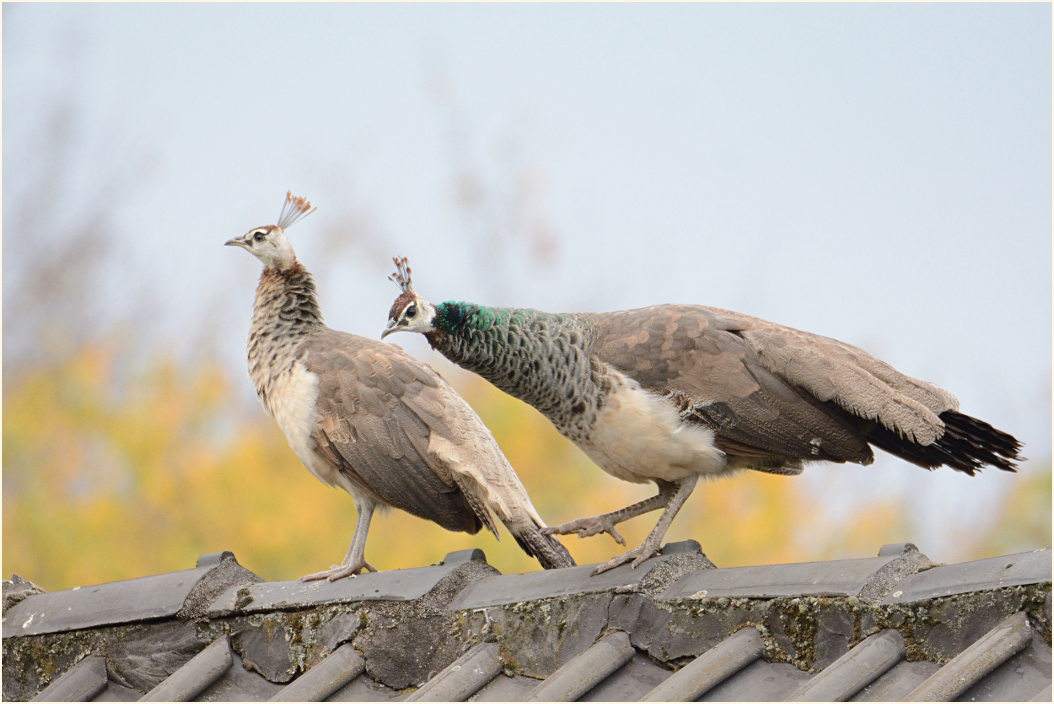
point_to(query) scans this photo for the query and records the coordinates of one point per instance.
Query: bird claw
(638, 555)
(586, 527)
(339, 572)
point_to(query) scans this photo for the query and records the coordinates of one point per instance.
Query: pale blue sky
(880, 174)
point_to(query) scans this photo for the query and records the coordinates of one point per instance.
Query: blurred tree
(1023, 522)
(122, 482)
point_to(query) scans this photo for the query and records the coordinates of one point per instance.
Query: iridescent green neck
(460, 317)
(539, 358)
(457, 317)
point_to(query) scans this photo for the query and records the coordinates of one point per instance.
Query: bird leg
(355, 560)
(653, 543)
(605, 522)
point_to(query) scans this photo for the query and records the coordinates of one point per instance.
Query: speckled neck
(537, 357)
(284, 313)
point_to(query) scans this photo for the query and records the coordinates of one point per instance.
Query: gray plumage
(671, 392)
(364, 416)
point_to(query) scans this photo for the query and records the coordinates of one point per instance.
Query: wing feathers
(767, 386)
(835, 371)
(402, 435)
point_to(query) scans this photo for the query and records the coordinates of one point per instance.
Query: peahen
(366, 417)
(672, 392)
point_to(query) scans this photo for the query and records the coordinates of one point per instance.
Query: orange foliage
(102, 484)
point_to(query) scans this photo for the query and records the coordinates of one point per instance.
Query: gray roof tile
(504, 688)
(628, 683)
(238, 684)
(759, 681)
(834, 578)
(711, 668)
(364, 689)
(897, 683)
(855, 670)
(578, 637)
(463, 677)
(585, 671)
(392, 585)
(1017, 679)
(131, 600)
(340, 667)
(118, 693)
(81, 683)
(192, 679)
(529, 586)
(1008, 571)
(968, 667)
(1043, 696)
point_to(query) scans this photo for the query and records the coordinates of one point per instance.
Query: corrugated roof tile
(118, 693)
(897, 683)
(336, 670)
(238, 684)
(1043, 696)
(711, 668)
(993, 573)
(1017, 679)
(530, 586)
(833, 578)
(81, 683)
(463, 677)
(628, 683)
(551, 626)
(131, 600)
(855, 670)
(505, 688)
(585, 671)
(391, 585)
(364, 689)
(969, 666)
(759, 681)
(192, 679)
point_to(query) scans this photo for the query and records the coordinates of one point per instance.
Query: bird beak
(237, 242)
(393, 326)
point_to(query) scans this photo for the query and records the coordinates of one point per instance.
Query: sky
(876, 173)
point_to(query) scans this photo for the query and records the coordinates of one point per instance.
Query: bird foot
(638, 555)
(339, 571)
(586, 527)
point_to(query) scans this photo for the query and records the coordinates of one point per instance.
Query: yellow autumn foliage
(111, 476)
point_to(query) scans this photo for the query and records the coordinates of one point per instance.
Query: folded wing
(373, 437)
(402, 434)
(766, 388)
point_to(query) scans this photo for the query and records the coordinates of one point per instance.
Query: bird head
(269, 243)
(410, 312)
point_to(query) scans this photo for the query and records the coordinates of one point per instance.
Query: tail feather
(546, 549)
(966, 445)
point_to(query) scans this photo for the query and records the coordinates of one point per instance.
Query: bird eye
(411, 311)
(258, 237)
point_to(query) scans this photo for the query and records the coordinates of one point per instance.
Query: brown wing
(374, 437)
(692, 355)
(845, 375)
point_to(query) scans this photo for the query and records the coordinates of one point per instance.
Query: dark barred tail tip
(986, 444)
(968, 444)
(549, 552)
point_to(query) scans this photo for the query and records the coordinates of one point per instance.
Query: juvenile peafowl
(364, 416)
(672, 392)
